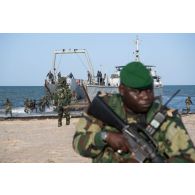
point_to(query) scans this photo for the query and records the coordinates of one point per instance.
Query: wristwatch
(104, 135)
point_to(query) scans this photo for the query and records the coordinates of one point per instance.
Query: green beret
(136, 75)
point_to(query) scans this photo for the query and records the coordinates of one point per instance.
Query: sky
(26, 58)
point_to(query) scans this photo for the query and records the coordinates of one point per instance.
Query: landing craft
(107, 84)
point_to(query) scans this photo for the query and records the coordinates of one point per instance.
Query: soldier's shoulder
(109, 97)
(86, 120)
(172, 114)
(158, 106)
(114, 101)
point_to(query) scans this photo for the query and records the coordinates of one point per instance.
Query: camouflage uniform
(43, 103)
(172, 139)
(26, 103)
(8, 107)
(188, 103)
(63, 99)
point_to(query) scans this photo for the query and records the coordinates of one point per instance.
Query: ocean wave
(18, 110)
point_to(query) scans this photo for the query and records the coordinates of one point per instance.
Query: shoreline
(74, 114)
(41, 141)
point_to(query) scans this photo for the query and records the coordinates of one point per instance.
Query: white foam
(50, 109)
(18, 110)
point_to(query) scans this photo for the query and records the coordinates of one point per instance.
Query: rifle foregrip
(100, 110)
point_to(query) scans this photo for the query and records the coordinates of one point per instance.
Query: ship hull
(92, 90)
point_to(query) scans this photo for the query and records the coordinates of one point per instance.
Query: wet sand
(41, 141)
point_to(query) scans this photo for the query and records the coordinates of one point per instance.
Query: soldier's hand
(117, 141)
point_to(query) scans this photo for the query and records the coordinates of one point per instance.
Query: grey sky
(25, 59)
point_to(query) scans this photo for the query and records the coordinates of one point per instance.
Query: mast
(54, 66)
(137, 57)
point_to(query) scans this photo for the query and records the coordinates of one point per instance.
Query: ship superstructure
(114, 79)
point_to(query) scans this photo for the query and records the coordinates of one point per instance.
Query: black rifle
(143, 147)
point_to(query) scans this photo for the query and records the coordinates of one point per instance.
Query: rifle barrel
(172, 97)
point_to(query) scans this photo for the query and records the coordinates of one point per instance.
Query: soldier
(43, 103)
(35, 105)
(104, 79)
(28, 105)
(8, 107)
(188, 102)
(135, 104)
(26, 102)
(71, 76)
(98, 77)
(59, 75)
(89, 77)
(63, 99)
(51, 77)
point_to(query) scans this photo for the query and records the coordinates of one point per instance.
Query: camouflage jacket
(188, 101)
(63, 96)
(172, 139)
(8, 106)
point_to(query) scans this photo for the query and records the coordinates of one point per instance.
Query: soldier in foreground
(136, 105)
(63, 98)
(8, 107)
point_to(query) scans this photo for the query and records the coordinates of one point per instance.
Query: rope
(57, 67)
(81, 61)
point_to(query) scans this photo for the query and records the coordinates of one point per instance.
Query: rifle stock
(142, 150)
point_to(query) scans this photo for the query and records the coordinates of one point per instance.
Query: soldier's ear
(122, 89)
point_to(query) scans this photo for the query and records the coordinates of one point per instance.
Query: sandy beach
(41, 141)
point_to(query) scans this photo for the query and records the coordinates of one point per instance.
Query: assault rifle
(142, 149)
(140, 141)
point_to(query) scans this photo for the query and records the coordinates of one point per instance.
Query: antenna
(172, 97)
(137, 58)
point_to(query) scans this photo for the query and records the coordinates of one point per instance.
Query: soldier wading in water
(135, 104)
(8, 107)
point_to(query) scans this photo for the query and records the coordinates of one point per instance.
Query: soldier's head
(136, 87)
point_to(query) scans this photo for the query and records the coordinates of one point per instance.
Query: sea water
(178, 101)
(18, 94)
